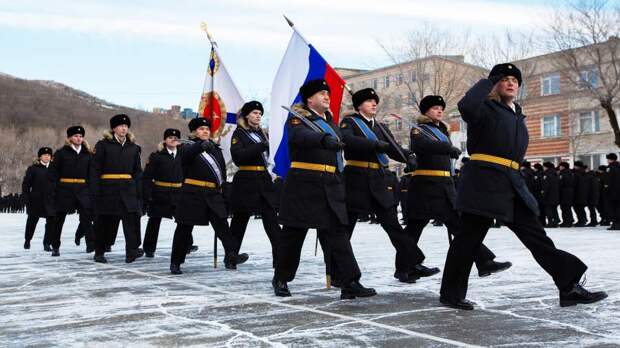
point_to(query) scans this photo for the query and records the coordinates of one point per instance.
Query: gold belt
(168, 184)
(494, 159)
(72, 181)
(425, 172)
(200, 183)
(314, 166)
(252, 168)
(362, 164)
(115, 176)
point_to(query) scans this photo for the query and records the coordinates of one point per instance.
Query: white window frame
(550, 78)
(595, 118)
(386, 81)
(374, 84)
(558, 126)
(587, 79)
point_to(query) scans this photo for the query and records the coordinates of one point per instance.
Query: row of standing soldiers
(12, 203)
(586, 193)
(337, 174)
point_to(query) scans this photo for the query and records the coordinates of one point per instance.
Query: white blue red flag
(220, 102)
(301, 63)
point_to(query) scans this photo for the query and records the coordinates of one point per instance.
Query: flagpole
(203, 26)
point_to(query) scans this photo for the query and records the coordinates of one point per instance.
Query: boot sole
(488, 273)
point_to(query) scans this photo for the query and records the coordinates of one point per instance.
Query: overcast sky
(153, 53)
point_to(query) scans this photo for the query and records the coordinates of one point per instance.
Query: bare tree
(431, 61)
(585, 35)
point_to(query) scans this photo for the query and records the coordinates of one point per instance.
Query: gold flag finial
(204, 27)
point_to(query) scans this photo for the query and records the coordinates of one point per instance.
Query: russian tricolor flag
(301, 63)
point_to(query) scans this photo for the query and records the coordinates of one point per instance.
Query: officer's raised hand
(331, 143)
(382, 146)
(455, 152)
(207, 145)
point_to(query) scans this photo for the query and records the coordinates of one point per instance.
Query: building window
(399, 79)
(589, 122)
(550, 84)
(386, 81)
(551, 126)
(398, 124)
(373, 84)
(589, 78)
(414, 76)
(592, 161)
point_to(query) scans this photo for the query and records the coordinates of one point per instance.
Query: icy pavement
(71, 301)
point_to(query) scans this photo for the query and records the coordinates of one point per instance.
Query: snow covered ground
(71, 301)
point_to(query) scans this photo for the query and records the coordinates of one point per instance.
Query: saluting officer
(253, 191)
(36, 191)
(162, 180)
(368, 180)
(115, 183)
(202, 201)
(492, 187)
(69, 176)
(313, 195)
(432, 190)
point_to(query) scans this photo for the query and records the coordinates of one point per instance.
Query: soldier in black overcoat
(566, 180)
(593, 196)
(161, 181)
(550, 193)
(603, 183)
(253, 191)
(115, 183)
(492, 187)
(432, 193)
(313, 195)
(202, 201)
(613, 191)
(582, 191)
(37, 194)
(68, 174)
(370, 186)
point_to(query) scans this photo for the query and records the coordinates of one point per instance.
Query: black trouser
(542, 217)
(335, 239)
(551, 211)
(567, 214)
(183, 240)
(593, 217)
(31, 225)
(239, 224)
(614, 210)
(85, 227)
(407, 252)
(565, 269)
(415, 227)
(151, 234)
(580, 211)
(106, 227)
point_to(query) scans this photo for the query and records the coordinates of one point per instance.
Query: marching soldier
(550, 194)
(36, 190)
(313, 195)
(253, 191)
(69, 174)
(115, 183)
(613, 191)
(432, 193)
(567, 193)
(368, 181)
(162, 181)
(202, 201)
(492, 187)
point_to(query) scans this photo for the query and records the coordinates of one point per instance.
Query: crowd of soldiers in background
(12, 203)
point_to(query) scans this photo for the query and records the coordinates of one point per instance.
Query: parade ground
(71, 301)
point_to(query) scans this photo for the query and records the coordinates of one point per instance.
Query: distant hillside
(35, 113)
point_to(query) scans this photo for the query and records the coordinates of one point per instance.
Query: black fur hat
(362, 95)
(431, 100)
